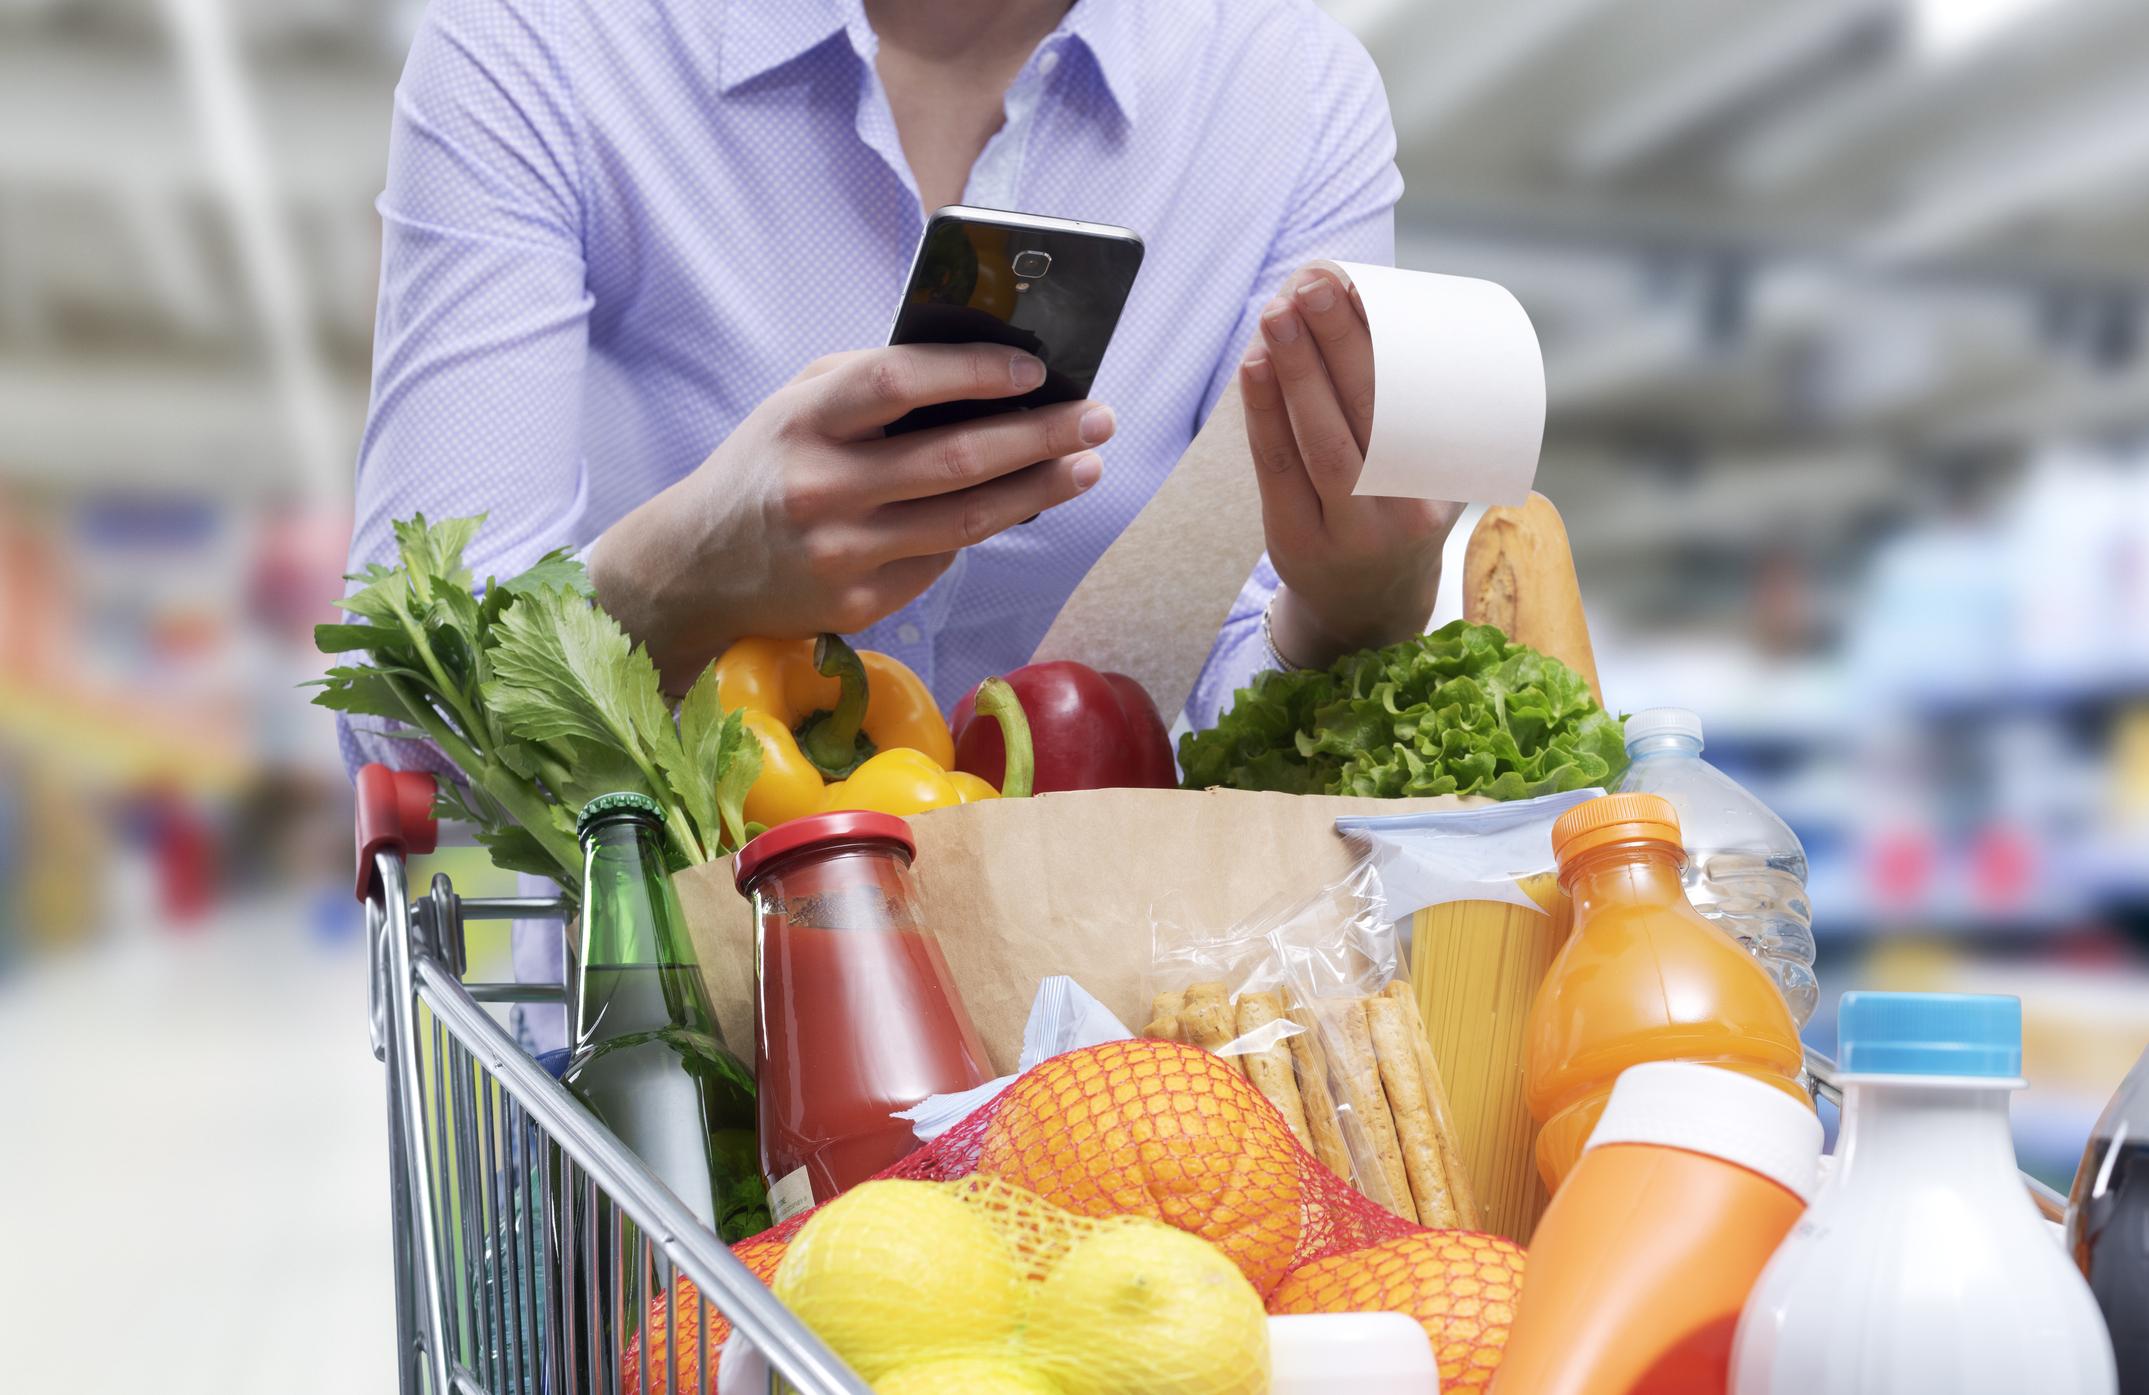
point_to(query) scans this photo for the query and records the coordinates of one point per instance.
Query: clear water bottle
(1745, 869)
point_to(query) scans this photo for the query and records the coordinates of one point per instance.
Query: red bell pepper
(1091, 731)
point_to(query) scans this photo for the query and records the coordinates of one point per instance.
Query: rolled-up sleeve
(1344, 209)
(482, 329)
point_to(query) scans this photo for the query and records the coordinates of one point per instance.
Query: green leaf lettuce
(1459, 711)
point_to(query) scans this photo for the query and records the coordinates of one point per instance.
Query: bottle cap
(1941, 1034)
(1366, 1353)
(618, 802)
(1615, 818)
(818, 830)
(1706, 1109)
(1663, 721)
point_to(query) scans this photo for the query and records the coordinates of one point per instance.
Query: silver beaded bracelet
(1268, 639)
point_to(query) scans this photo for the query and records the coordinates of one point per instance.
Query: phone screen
(1052, 292)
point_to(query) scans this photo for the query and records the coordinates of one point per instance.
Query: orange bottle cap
(1615, 818)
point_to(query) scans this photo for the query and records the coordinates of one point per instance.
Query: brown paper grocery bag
(1065, 884)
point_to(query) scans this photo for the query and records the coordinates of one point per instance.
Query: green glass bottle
(648, 1057)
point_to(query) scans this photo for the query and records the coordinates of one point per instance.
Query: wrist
(1303, 637)
(631, 582)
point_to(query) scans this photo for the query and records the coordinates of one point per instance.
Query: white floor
(193, 1183)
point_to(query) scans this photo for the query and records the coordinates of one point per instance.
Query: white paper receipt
(1458, 388)
(791, 1195)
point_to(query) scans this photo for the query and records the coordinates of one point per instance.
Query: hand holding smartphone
(1050, 287)
(862, 523)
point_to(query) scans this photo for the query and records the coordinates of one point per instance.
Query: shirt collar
(1111, 31)
(760, 36)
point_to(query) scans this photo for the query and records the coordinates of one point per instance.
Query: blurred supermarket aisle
(216, 1218)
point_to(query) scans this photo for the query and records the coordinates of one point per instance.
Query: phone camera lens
(1032, 264)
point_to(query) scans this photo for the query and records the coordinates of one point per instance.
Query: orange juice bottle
(1643, 978)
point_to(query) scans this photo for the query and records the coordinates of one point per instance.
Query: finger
(856, 398)
(1324, 301)
(826, 363)
(951, 522)
(945, 459)
(1324, 438)
(1290, 510)
(902, 581)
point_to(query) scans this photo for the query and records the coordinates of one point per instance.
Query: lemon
(965, 1376)
(1139, 1308)
(896, 1273)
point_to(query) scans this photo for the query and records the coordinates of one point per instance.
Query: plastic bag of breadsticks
(1481, 917)
(1311, 1000)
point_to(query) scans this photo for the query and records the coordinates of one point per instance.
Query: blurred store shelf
(131, 744)
(208, 428)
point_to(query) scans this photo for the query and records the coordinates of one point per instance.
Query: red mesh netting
(1171, 1132)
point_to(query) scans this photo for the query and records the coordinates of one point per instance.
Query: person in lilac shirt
(637, 256)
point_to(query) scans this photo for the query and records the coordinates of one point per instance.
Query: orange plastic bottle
(1643, 978)
(1644, 1260)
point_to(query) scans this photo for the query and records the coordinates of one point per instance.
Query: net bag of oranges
(1088, 1157)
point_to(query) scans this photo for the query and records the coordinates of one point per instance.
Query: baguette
(1164, 1012)
(1270, 1070)
(1468, 1215)
(1414, 1127)
(1319, 1103)
(1518, 575)
(1359, 1071)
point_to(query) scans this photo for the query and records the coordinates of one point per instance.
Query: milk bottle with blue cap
(1923, 1266)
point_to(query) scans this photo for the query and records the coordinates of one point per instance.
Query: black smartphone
(1048, 286)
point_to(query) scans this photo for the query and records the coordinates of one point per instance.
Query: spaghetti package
(1482, 916)
(1311, 1000)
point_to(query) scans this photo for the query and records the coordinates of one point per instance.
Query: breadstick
(1359, 1070)
(1413, 1115)
(1467, 1213)
(1164, 1012)
(1206, 1020)
(1270, 1070)
(1314, 1095)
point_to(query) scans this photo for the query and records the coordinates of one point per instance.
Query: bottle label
(789, 1195)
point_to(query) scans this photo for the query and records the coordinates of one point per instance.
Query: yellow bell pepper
(969, 789)
(845, 730)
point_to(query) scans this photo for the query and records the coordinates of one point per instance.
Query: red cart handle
(395, 810)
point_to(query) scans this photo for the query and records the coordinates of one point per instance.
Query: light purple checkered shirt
(611, 229)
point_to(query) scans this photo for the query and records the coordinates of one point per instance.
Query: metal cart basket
(521, 1224)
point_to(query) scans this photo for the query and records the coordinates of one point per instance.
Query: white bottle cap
(1364, 1353)
(1705, 1109)
(1663, 721)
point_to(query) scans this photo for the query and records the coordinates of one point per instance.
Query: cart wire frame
(528, 1240)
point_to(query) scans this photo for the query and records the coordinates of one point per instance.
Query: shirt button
(909, 633)
(1049, 61)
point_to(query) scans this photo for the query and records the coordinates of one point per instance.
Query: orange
(761, 1254)
(1156, 1129)
(1461, 1287)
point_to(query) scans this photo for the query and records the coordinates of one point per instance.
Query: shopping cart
(521, 1223)
(527, 1237)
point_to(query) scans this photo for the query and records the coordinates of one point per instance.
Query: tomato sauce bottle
(856, 1015)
